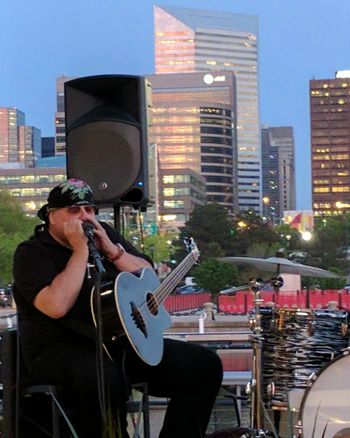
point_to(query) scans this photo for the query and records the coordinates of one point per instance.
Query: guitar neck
(170, 282)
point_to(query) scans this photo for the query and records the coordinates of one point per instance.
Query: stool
(14, 391)
(140, 407)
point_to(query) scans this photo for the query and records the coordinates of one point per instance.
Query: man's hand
(74, 233)
(103, 242)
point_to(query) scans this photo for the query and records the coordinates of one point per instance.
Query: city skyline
(297, 43)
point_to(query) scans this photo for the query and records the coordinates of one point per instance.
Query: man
(52, 290)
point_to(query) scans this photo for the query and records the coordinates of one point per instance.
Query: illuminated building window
(171, 191)
(173, 204)
(321, 190)
(343, 189)
(321, 181)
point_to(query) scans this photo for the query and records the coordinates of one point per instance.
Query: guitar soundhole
(138, 319)
(152, 304)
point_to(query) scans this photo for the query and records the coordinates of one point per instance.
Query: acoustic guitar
(132, 306)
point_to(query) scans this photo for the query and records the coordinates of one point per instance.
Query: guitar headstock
(191, 247)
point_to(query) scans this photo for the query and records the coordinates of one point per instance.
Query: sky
(41, 40)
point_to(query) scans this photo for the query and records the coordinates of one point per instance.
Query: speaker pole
(116, 213)
(141, 231)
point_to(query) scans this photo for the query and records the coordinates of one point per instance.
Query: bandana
(68, 193)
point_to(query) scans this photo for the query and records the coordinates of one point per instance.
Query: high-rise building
(60, 124)
(330, 144)
(278, 171)
(190, 40)
(29, 145)
(10, 120)
(194, 127)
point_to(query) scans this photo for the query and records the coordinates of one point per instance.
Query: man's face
(57, 217)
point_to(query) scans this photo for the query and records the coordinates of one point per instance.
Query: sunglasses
(75, 210)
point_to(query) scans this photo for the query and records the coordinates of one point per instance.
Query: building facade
(278, 171)
(29, 145)
(190, 40)
(330, 144)
(19, 143)
(10, 121)
(181, 190)
(194, 127)
(60, 123)
(30, 186)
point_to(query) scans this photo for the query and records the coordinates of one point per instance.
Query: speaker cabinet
(106, 136)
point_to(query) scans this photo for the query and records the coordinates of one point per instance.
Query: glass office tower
(330, 143)
(190, 40)
(194, 127)
(10, 120)
(60, 124)
(278, 172)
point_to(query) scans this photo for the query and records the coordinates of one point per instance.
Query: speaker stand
(116, 214)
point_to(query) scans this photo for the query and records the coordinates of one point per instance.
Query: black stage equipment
(106, 136)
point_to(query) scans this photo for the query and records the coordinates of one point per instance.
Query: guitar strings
(160, 293)
(153, 303)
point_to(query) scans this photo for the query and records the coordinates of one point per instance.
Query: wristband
(119, 253)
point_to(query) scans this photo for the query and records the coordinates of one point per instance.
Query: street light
(306, 235)
(241, 224)
(266, 202)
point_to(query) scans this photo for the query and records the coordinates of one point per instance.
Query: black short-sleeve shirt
(37, 261)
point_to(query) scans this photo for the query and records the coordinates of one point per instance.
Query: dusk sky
(43, 39)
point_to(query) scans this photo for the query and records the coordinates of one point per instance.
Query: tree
(212, 229)
(328, 247)
(159, 247)
(250, 232)
(14, 228)
(214, 276)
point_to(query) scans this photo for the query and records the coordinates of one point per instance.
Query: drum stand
(255, 386)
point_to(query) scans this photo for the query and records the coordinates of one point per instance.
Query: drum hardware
(271, 389)
(344, 329)
(312, 378)
(255, 387)
(285, 324)
(299, 428)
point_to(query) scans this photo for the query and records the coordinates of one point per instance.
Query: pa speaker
(106, 136)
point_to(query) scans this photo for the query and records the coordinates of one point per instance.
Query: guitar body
(131, 309)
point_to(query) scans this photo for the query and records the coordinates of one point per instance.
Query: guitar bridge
(137, 317)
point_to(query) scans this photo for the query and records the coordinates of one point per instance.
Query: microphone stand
(98, 271)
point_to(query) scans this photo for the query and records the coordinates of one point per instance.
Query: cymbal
(279, 265)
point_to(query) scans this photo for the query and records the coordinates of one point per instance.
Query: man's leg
(190, 376)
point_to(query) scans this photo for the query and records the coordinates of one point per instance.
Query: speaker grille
(107, 154)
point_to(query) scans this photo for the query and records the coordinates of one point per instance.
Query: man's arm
(59, 297)
(122, 260)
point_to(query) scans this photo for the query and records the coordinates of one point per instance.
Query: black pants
(188, 375)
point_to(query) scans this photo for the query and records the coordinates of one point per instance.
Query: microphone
(88, 230)
(96, 256)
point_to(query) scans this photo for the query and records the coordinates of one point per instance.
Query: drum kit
(301, 360)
